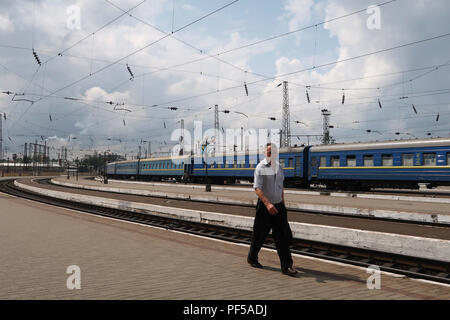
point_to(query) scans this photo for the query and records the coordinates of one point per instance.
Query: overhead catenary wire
(136, 51)
(62, 52)
(216, 55)
(309, 69)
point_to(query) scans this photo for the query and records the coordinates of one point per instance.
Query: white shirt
(270, 180)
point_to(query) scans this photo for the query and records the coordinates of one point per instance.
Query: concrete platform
(409, 245)
(380, 208)
(120, 260)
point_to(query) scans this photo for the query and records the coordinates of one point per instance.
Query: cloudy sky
(134, 62)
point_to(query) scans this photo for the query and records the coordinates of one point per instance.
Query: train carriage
(357, 166)
(392, 164)
(241, 166)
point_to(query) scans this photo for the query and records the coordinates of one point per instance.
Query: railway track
(408, 266)
(321, 216)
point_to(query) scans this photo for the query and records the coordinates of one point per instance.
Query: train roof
(154, 159)
(253, 152)
(393, 144)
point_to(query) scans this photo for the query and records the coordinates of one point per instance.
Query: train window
(234, 164)
(429, 159)
(351, 161)
(282, 163)
(297, 162)
(448, 159)
(291, 162)
(387, 160)
(407, 159)
(368, 161)
(323, 161)
(335, 161)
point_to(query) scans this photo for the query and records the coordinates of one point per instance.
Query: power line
(262, 41)
(92, 33)
(311, 68)
(136, 51)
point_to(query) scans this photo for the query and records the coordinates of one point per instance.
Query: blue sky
(42, 25)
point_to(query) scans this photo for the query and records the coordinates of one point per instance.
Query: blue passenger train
(353, 166)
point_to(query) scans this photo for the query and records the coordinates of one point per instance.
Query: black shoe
(255, 264)
(290, 272)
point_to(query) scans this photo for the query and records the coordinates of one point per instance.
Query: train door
(188, 167)
(313, 167)
(297, 166)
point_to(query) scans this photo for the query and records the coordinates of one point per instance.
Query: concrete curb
(351, 211)
(307, 193)
(426, 248)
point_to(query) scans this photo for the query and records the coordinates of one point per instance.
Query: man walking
(271, 212)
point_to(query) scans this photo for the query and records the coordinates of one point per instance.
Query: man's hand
(271, 208)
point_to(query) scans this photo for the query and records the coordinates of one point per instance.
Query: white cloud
(401, 22)
(6, 24)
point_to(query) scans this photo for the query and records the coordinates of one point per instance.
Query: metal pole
(208, 185)
(105, 177)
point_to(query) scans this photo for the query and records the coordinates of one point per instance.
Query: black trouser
(264, 222)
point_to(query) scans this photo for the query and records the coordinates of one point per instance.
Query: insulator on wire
(36, 57)
(129, 70)
(173, 108)
(50, 116)
(437, 118)
(379, 103)
(307, 96)
(164, 125)
(343, 97)
(4, 116)
(272, 118)
(246, 89)
(124, 123)
(414, 108)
